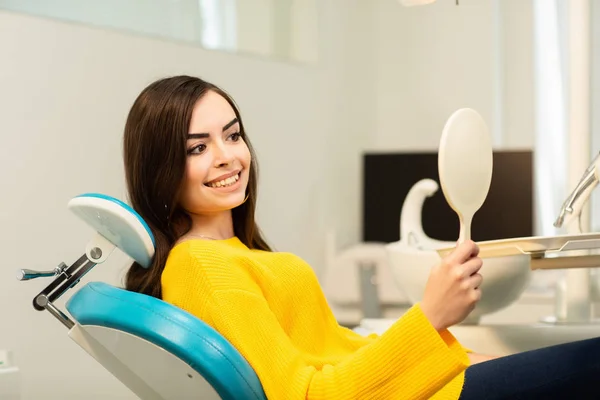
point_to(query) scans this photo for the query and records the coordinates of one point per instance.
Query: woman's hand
(452, 290)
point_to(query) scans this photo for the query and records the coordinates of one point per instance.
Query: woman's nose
(223, 156)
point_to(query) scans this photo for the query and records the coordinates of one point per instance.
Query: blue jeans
(566, 371)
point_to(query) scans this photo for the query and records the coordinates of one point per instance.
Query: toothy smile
(224, 182)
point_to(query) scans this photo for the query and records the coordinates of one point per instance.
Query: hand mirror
(465, 161)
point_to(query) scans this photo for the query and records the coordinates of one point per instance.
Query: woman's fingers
(475, 281)
(463, 252)
(471, 267)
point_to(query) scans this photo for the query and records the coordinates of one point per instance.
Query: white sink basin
(504, 278)
(411, 259)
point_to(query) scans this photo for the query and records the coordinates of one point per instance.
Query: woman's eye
(197, 149)
(235, 136)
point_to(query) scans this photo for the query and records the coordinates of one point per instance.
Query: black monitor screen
(506, 213)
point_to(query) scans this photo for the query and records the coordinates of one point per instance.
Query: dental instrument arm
(571, 208)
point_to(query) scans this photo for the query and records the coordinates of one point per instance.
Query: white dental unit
(508, 263)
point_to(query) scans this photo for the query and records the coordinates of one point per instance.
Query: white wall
(65, 92)
(433, 60)
(517, 91)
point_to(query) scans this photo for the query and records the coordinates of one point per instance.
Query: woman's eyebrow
(205, 135)
(230, 124)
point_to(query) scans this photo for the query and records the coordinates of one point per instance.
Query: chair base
(146, 369)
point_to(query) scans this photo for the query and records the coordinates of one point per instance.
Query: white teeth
(225, 182)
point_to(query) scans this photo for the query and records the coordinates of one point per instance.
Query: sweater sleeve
(366, 339)
(411, 360)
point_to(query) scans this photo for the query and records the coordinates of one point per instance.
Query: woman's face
(218, 160)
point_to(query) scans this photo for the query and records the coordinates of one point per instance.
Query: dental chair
(156, 349)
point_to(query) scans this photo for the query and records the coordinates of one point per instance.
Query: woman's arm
(411, 360)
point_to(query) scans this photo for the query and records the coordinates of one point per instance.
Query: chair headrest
(118, 223)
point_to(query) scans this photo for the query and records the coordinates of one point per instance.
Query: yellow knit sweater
(269, 305)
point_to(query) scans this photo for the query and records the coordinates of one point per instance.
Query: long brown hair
(154, 153)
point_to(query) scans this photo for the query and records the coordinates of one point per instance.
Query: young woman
(192, 175)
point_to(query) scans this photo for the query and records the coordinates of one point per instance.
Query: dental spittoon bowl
(412, 257)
